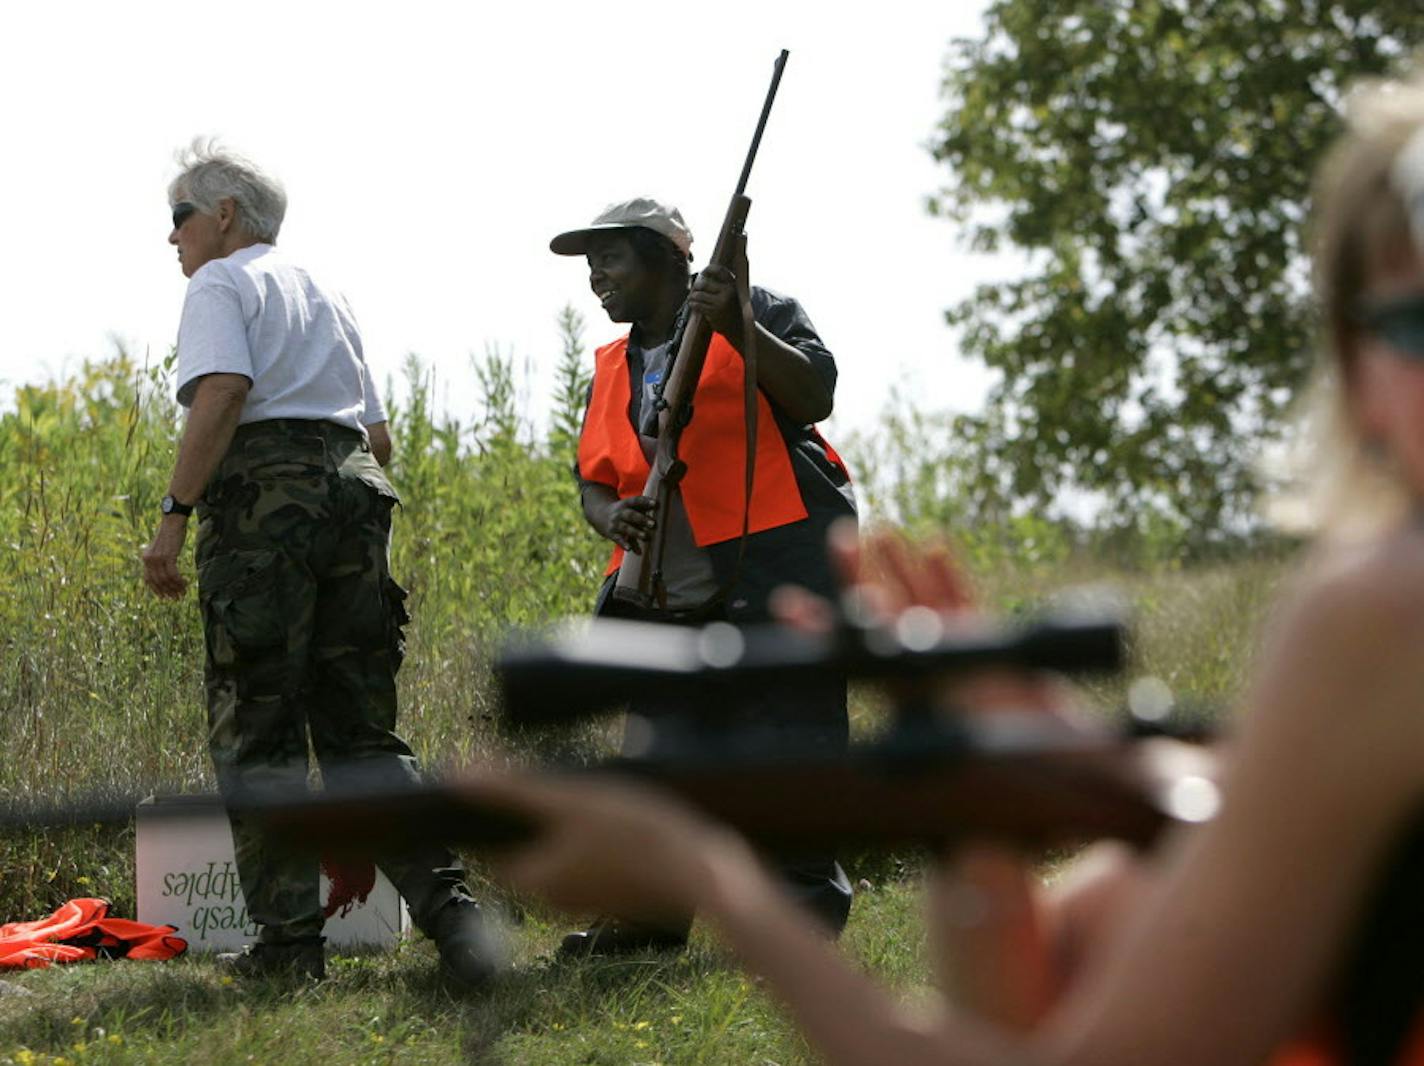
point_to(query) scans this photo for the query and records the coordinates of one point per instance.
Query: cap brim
(575, 241)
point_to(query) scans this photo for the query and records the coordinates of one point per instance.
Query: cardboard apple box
(186, 876)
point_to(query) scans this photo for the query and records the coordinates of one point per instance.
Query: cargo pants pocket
(397, 618)
(243, 614)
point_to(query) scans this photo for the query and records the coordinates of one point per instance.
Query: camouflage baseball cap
(640, 211)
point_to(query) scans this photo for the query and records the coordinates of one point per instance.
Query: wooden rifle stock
(640, 582)
(1021, 780)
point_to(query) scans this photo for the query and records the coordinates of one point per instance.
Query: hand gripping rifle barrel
(639, 581)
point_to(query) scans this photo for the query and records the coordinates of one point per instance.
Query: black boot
(608, 936)
(470, 952)
(305, 958)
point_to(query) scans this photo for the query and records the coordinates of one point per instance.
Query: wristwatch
(168, 505)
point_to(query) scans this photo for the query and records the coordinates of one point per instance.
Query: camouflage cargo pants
(303, 628)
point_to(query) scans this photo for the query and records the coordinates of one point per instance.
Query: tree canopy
(1151, 159)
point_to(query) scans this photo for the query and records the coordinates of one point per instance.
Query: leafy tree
(1151, 159)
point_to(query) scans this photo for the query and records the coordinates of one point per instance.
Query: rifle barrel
(778, 67)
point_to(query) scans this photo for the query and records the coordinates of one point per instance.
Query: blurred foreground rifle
(929, 779)
(640, 578)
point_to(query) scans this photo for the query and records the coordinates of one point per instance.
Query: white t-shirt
(255, 313)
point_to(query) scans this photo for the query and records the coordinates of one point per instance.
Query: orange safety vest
(714, 446)
(81, 930)
(1321, 1047)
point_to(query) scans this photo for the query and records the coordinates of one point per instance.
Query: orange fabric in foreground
(1322, 1049)
(81, 930)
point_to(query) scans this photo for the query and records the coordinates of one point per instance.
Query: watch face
(166, 505)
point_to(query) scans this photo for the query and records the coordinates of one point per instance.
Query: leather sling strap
(750, 418)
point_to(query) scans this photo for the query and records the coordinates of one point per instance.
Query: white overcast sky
(431, 150)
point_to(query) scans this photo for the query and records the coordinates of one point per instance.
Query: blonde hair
(1344, 487)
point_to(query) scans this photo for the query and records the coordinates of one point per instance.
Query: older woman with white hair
(281, 460)
(1289, 928)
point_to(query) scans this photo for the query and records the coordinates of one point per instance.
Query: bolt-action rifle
(929, 779)
(640, 578)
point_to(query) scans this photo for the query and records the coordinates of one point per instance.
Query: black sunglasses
(182, 212)
(1398, 322)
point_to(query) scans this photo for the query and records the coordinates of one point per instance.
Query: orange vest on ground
(713, 445)
(81, 930)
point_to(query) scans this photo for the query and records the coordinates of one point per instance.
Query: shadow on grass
(188, 999)
(157, 998)
(546, 996)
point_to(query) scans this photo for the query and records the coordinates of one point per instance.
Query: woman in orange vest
(1299, 908)
(638, 253)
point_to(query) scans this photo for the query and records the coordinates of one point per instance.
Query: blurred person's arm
(622, 849)
(1256, 906)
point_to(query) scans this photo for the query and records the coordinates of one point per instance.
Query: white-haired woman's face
(1387, 382)
(197, 236)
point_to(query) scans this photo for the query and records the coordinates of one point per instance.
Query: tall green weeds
(101, 684)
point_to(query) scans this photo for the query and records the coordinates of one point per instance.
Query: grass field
(100, 688)
(393, 1008)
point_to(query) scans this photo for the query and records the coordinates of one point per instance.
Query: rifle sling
(702, 611)
(749, 395)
